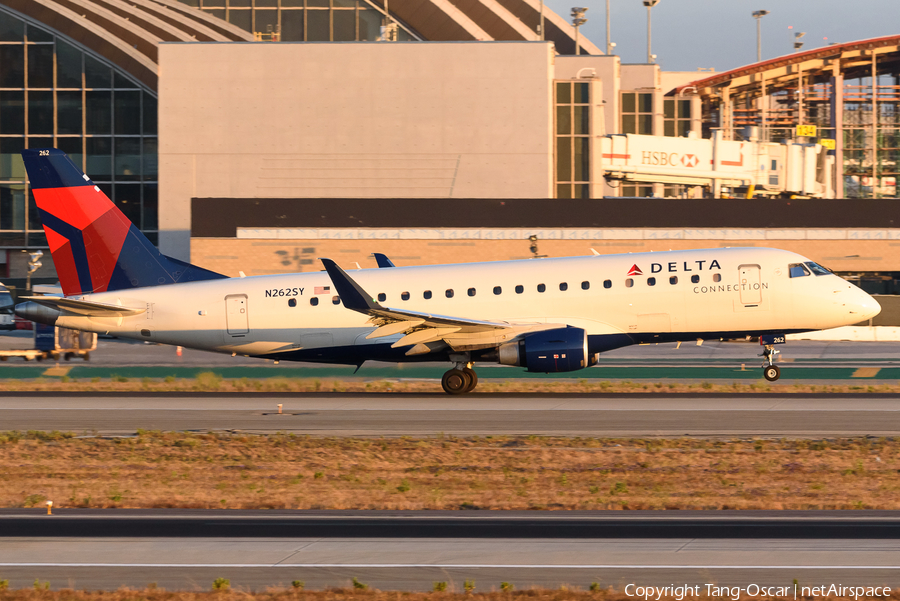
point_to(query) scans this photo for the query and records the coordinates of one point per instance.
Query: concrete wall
(264, 256)
(439, 120)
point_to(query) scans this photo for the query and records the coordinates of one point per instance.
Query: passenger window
(335, 300)
(449, 293)
(629, 283)
(607, 283)
(471, 292)
(651, 281)
(673, 280)
(520, 289)
(427, 294)
(585, 285)
(404, 296)
(818, 269)
(292, 302)
(541, 287)
(382, 297)
(695, 279)
(563, 286)
(717, 277)
(314, 301)
(498, 290)
(797, 270)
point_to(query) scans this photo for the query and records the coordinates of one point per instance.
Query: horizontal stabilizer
(87, 308)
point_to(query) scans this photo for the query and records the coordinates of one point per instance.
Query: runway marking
(447, 566)
(866, 372)
(57, 371)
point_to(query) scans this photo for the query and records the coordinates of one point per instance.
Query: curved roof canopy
(853, 59)
(127, 32)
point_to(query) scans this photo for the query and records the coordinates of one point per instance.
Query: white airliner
(547, 315)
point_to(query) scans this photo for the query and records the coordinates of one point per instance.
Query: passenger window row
(563, 286)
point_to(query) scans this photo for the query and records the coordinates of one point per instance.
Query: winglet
(352, 295)
(383, 260)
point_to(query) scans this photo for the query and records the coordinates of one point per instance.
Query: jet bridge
(749, 168)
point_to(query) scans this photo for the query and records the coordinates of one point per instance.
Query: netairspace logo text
(680, 592)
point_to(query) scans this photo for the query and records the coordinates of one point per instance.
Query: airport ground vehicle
(7, 321)
(546, 315)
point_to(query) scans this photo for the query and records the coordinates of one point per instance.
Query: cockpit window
(798, 270)
(817, 269)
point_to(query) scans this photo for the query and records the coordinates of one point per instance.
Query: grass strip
(504, 591)
(211, 381)
(284, 471)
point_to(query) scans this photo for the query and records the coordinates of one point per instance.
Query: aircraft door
(751, 290)
(236, 321)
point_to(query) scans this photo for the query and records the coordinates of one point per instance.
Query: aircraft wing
(461, 333)
(88, 308)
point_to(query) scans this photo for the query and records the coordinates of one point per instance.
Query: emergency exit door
(751, 290)
(236, 321)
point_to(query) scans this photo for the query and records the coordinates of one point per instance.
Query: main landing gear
(460, 380)
(770, 370)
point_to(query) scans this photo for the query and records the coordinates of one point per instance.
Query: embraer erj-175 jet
(546, 315)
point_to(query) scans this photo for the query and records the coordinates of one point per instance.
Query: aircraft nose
(863, 305)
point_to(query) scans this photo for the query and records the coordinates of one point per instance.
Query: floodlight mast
(649, 4)
(578, 19)
(758, 15)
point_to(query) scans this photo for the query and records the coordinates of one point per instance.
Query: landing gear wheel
(456, 381)
(473, 379)
(771, 372)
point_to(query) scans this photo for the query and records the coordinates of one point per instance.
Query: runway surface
(809, 415)
(615, 548)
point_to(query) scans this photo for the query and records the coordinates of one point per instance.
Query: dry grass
(212, 382)
(285, 471)
(275, 594)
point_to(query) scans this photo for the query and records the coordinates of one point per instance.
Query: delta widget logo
(635, 270)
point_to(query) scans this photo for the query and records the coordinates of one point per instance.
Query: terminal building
(257, 135)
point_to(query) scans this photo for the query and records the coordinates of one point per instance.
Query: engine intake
(550, 351)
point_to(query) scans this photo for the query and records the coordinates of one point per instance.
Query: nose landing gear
(460, 380)
(770, 370)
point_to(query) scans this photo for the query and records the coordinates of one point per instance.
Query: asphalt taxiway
(769, 414)
(412, 550)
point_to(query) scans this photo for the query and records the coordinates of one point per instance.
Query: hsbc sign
(669, 159)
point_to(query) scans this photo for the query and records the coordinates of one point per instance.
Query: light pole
(578, 20)
(758, 15)
(649, 4)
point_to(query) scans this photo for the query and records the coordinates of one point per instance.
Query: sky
(692, 34)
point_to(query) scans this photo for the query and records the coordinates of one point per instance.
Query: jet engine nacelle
(562, 349)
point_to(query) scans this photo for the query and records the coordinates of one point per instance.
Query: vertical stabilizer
(94, 246)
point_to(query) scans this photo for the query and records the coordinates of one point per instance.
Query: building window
(304, 20)
(55, 93)
(676, 117)
(637, 113)
(634, 191)
(573, 139)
